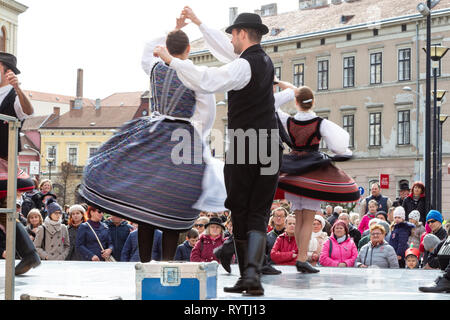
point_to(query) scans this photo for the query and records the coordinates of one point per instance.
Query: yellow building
(76, 135)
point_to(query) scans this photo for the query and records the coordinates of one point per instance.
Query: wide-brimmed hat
(215, 220)
(248, 20)
(10, 61)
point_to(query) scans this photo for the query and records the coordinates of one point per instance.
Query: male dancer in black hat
(14, 102)
(248, 77)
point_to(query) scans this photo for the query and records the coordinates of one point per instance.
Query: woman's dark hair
(177, 41)
(419, 184)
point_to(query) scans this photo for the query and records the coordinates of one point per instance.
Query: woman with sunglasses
(377, 252)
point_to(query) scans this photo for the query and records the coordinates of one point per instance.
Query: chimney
(309, 4)
(56, 111)
(233, 13)
(97, 104)
(79, 83)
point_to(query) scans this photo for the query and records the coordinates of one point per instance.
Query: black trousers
(250, 195)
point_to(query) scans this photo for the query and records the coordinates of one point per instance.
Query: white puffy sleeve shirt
(17, 106)
(205, 108)
(336, 138)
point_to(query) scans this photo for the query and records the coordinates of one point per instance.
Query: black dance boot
(255, 256)
(305, 267)
(268, 269)
(27, 251)
(441, 284)
(241, 253)
(225, 253)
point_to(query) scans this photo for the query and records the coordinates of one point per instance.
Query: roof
(25, 140)
(34, 123)
(90, 118)
(123, 98)
(56, 98)
(327, 18)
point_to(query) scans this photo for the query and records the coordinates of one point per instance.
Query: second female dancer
(309, 176)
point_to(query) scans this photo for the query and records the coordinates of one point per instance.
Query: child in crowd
(372, 211)
(400, 232)
(209, 240)
(417, 231)
(34, 220)
(412, 258)
(184, 250)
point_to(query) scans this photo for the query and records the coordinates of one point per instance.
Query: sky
(105, 38)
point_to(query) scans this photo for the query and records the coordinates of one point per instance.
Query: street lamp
(51, 161)
(436, 54)
(442, 119)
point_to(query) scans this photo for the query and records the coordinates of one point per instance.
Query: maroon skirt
(326, 183)
(24, 182)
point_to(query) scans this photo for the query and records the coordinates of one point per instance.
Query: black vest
(253, 106)
(7, 108)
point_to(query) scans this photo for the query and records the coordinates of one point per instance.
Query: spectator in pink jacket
(339, 250)
(372, 211)
(285, 250)
(209, 240)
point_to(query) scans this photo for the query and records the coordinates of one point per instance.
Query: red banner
(384, 181)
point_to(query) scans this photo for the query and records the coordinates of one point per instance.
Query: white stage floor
(103, 281)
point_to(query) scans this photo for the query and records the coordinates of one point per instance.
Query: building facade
(9, 22)
(365, 62)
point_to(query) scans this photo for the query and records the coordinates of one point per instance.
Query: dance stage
(104, 281)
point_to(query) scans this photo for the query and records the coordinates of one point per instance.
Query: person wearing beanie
(52, 238)
(339, 250)
(434, 221)
(417, 231)
(387, 228)
(77, 216)
(401, 231)
(382, 215)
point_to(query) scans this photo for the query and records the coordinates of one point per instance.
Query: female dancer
(308, 176)
(142, 175)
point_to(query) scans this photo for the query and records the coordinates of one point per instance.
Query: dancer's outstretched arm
(217, 41)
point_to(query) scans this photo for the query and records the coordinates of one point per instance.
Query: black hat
(248, 20)
(215, 220)
(404, 186)
(10, 61)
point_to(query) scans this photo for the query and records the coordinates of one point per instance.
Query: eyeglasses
(376, 234)
(431, 221)
(199, 225)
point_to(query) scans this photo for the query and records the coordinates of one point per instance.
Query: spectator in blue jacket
(119, 229)
(130, 251)
(401, 230)
(87, 243)
(184, 250)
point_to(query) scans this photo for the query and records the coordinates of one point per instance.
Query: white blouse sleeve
(148, 59)
(282, 98)
(336, 138)
(219, 44)
(19, 111)
(232, 76)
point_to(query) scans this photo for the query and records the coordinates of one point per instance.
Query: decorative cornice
(13, 5)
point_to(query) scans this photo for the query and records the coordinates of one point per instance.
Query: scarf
(341, 239)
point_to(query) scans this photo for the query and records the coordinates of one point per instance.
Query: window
(323, 75)
(275, 48)
(3, 39)
(375, 129)
(348, 125)
(299, 45)
(375, 32)
(73, 155)
(278, 75)
(349, 72)
(299, 74)
(404, 64)
(375, 68)
(92, 151)
(322, 41)
(403, 127)
(349, 36)
(404, 27)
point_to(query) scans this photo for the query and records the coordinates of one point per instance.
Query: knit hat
(415, 215)
(385, 225)
(430, 241)
(399, 212)
(53, 206)
(382, 213)
(77, 207)
(321, 219)
(434, 215)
